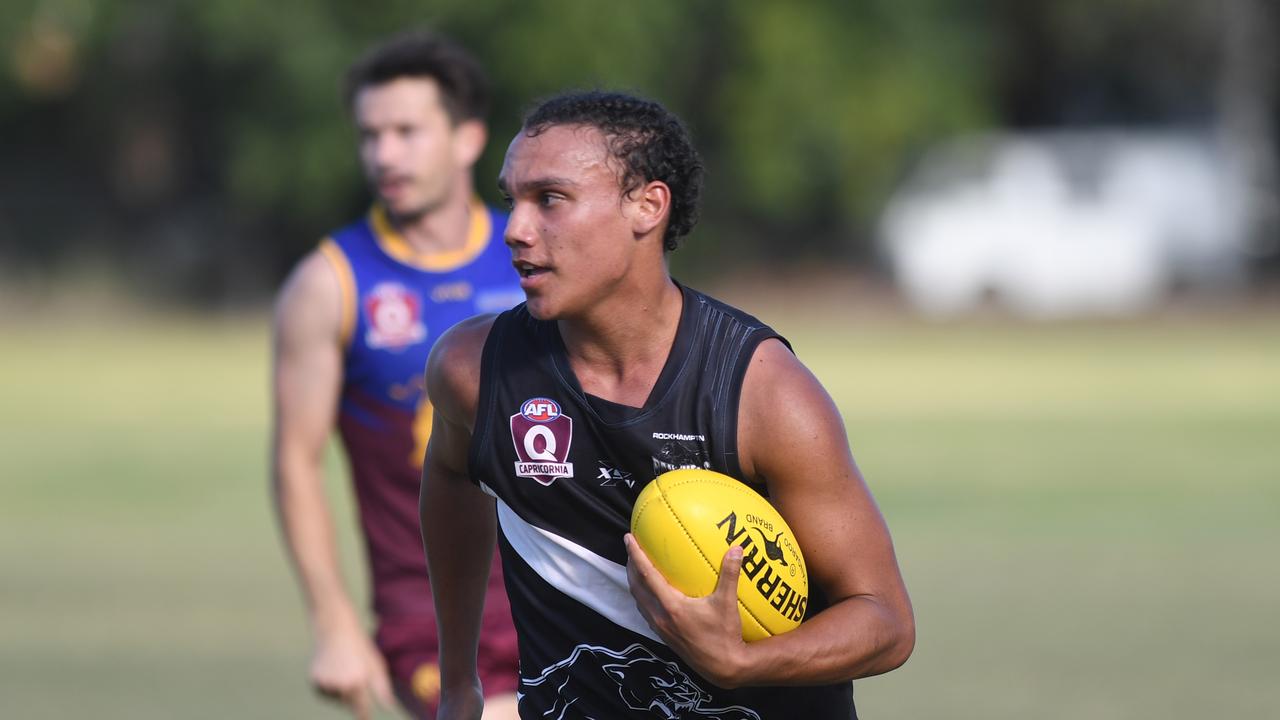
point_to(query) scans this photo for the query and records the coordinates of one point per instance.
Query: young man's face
(570, 231)
(414, 157)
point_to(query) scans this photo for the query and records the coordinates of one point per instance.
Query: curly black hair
(464, 87)
(649, 141)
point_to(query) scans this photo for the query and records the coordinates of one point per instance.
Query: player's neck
(438, 229)
(619, 351)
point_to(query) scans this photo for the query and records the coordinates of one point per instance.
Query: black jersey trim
(729, 398)
(488, 397)
(740, 335)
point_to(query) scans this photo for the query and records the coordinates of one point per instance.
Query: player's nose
(521, 226)
(386, 150)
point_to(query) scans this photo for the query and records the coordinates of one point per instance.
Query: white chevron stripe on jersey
(598, 583)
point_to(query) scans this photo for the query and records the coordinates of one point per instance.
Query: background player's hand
(706, 632)
(347, 668)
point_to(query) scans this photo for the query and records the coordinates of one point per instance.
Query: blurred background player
(354, 324)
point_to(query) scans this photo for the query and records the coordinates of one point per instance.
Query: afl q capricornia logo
(542, 436)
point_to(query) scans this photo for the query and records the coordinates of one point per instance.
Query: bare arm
(307, 379)
(792, 437)
(458, 523)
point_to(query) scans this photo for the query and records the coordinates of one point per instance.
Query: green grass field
(1084, 514)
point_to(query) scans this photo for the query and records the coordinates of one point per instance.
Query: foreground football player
(611, 373)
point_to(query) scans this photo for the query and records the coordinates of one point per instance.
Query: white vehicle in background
(1063, 224)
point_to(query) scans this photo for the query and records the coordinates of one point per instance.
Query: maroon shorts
(410, 647)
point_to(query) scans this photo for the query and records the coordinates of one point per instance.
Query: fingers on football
(730, 567)
(651, 579)
(639, 572)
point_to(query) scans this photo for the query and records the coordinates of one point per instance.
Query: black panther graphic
(643, 682)
(679, 454)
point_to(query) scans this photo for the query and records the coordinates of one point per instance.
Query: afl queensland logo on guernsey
(542, 435)
(394, 314)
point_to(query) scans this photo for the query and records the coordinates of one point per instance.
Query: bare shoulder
(776, 377)
(784, 409)
(307, 354)
(453, 369)
(311, 298)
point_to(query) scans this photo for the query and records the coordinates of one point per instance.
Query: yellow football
(685, 520)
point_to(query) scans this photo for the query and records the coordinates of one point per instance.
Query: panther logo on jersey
(633, 677)
(394, 314)
(679, 451)
(542, 436)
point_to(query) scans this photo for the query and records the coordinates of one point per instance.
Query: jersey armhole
(487, 399)
(733, 402)
(347, 288)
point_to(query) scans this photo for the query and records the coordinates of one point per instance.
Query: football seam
(663, 494)
(738, 487)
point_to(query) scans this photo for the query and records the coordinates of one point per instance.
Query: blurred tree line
(196, 148)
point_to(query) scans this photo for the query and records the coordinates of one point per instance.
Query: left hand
(706, 632)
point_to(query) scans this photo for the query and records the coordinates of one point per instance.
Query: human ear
(469, 137)
(651, 204)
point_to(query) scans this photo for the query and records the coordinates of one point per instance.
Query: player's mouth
(529, 273)
(391, 186)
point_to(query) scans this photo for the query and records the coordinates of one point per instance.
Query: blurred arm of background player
(307, 380)
(459, 526)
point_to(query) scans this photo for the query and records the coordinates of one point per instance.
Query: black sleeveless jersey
(566, 468)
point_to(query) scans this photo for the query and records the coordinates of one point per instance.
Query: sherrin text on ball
(685, 520)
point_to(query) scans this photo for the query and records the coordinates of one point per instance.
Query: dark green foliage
(202, 147)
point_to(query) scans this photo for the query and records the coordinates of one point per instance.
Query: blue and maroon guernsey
(396, 304)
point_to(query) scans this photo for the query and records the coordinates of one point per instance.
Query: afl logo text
(540, 410)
